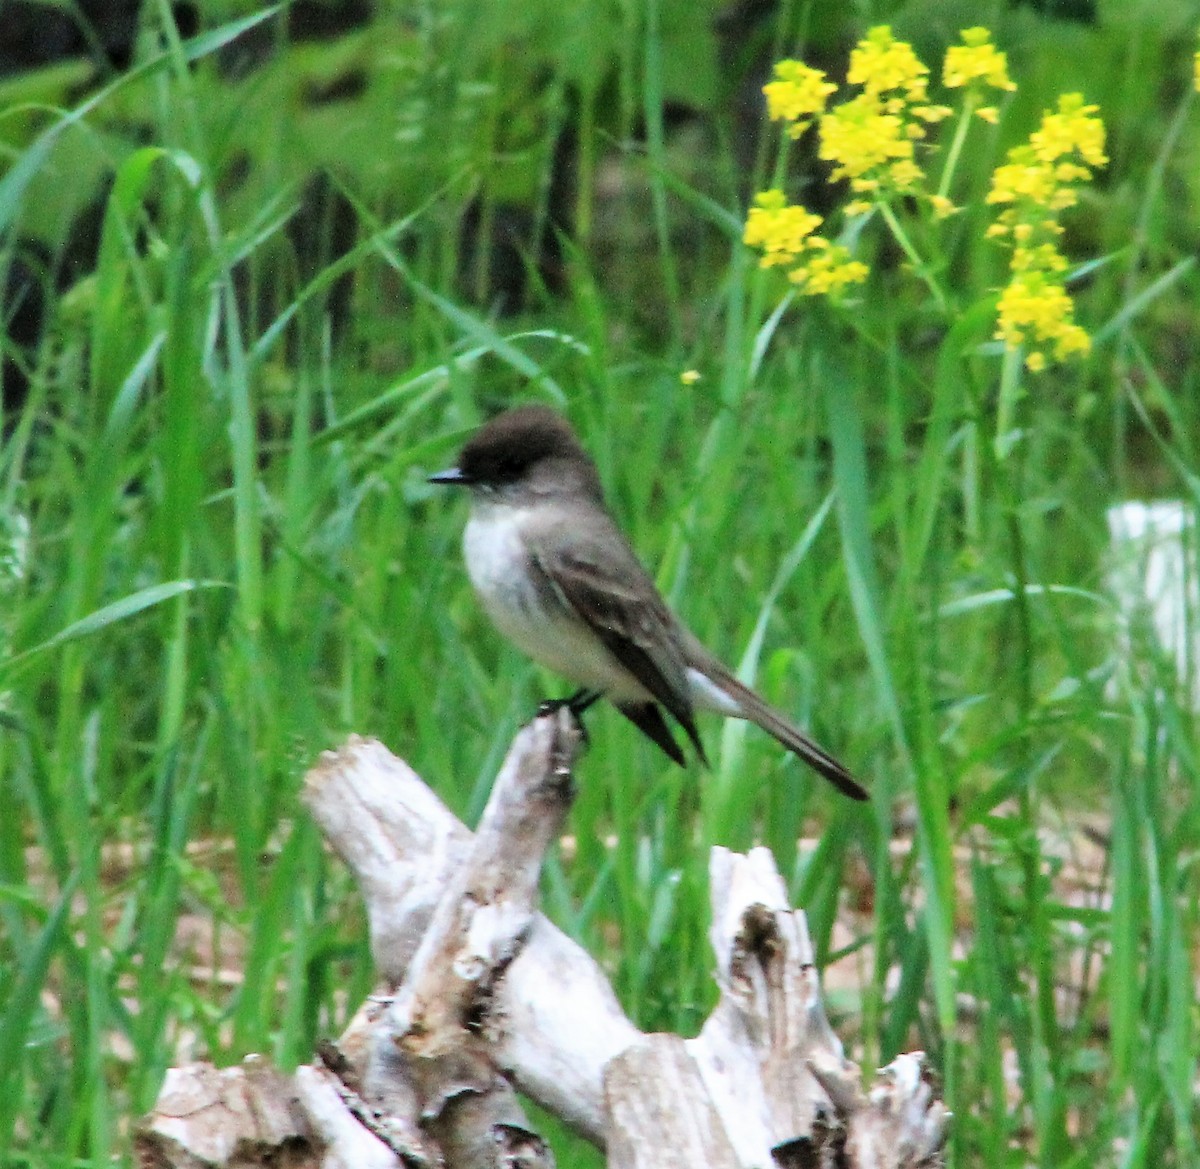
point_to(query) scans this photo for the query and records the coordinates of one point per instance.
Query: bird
(559, 579)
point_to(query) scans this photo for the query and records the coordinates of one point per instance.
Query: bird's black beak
(452, 477)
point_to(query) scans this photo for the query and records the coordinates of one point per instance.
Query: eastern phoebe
(559, 579)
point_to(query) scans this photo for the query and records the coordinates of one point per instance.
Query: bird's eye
(508, 471)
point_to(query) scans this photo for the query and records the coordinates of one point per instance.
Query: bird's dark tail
(761, 713)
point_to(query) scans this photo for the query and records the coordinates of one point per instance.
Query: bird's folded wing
(618, 601)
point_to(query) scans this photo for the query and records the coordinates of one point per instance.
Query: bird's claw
(576, 703)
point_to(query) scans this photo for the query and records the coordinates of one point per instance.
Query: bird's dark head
(529, 449)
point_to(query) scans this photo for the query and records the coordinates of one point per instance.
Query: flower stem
(1010, 385)
(960, 136)
(919, 265)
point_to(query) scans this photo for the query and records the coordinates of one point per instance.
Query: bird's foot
(576, 703)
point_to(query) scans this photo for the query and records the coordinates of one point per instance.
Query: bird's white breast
(537, 620)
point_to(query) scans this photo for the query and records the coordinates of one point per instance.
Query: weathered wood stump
(486, 999)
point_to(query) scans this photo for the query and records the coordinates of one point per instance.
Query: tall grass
(220, 556)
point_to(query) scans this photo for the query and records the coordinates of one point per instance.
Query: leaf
(13, 184)
(111, 614)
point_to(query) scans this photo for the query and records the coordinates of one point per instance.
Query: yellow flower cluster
(871, 138)
(785, 233)
(781, 229)
(797, 95)
(1036, 303)
(974, 64)
(1039, 180)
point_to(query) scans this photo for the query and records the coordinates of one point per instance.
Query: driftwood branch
(486, 998)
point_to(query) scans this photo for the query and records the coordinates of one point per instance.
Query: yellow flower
(1038, 181)
(1036, 309)
(860, 139)
(1022, 178)
(1044, 257)
(797, 95)
(690, 377)
(1038, 178)
(905, 174)
(931, 114)
(785, 234)
(828, 271)
(871, 138)
(779, 229)
(1072, 130)
(879, 63)
(1196, 78)
(976, 60)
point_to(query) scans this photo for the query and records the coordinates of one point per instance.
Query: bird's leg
(576, 703)
(582, 699)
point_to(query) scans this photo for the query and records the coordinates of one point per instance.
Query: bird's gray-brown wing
(597, 575)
